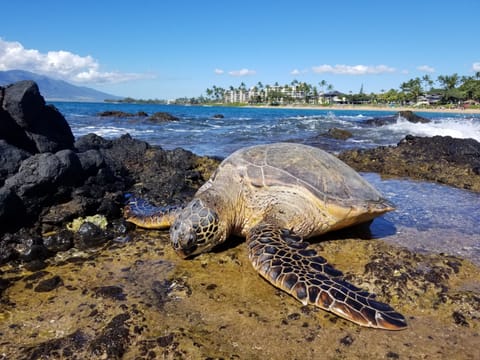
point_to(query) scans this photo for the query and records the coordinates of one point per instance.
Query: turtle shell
(297, 165)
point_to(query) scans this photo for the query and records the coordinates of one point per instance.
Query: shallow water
(429, 217)
(216, 306)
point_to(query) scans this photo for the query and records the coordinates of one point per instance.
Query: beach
(458, 110)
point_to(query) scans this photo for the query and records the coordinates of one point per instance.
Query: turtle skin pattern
(285, 260)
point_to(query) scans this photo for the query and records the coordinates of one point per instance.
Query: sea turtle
(276, 195)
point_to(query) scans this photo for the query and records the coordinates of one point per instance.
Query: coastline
(98, 287)
(371, 108)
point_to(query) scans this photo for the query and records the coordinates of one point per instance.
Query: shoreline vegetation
(331, 107)
(353, 107)
(448, 93)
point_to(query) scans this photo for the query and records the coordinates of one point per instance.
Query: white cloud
(426, 68)
(352, 69)
(219, 71)
(476, 66)
(296, 72)
(59, 64)
(242, 72)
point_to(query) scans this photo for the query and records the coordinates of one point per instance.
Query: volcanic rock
(28, 123)
(339, 134)
(387, 120)
(446, 160)
(160, 117)
(121, 114)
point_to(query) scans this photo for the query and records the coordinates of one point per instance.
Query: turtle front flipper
(285, 260)
(141, 213)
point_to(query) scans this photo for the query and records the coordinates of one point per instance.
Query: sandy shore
(374, 108)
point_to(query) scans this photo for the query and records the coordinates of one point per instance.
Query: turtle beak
(183, 239)
(185, 253)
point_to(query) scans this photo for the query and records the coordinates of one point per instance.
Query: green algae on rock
(98, 220)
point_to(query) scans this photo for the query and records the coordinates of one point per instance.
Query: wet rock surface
(47, 179)
(160, 117)
(387, 120)
(443, 159)
(50, 189)
(139, 300)
(157, 117)
(121, 114)
(339, 134)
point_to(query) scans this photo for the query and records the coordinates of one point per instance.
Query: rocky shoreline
(49, 180)
(441, 159)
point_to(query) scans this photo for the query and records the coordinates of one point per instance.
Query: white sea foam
(454, 127)
(110, 131)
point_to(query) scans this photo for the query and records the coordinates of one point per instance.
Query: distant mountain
(53, 89)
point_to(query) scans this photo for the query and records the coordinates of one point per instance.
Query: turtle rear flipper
(141, 213)
(285, 260)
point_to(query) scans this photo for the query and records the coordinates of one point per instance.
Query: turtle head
(196, 229)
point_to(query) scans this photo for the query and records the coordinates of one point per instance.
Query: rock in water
(392, 119)
(160, 117)
(339, 134)
(443, 159)
(412, 117)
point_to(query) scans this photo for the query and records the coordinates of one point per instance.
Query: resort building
(278, 94)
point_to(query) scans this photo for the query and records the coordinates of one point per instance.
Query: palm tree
(261, 91)
(209, 92)
(322, 84)
(449, 84)
(427, 80)
(412, 88)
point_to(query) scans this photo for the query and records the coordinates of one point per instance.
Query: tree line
(447, 89)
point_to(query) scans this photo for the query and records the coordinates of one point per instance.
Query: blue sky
(173, 48)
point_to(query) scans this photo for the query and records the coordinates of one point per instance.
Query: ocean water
(429, 217)
(203, 134)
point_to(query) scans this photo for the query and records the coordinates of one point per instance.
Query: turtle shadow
(232, 242)
(375, 229)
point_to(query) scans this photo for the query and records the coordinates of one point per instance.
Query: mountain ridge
(56, 90)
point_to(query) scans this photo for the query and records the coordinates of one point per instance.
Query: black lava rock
(387, 120)
(113, 342)
(112, 292)
(49, 284)
(46, 180)
(160, 117)
(61, 241)
(339, 134)
(89, 235)
(10, 159)
(28, 123)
